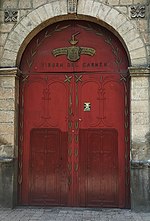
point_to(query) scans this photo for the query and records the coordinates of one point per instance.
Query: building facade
(74, 103)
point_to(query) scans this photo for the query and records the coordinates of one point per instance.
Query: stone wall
(20, 20)
(29, 14)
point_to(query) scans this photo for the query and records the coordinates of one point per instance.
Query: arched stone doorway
(74, 118)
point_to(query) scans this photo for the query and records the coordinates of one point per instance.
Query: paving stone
(71, 214)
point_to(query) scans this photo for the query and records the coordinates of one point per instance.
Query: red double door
(73, 130)
(74, 118)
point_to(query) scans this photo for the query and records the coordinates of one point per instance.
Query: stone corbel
(138, 11)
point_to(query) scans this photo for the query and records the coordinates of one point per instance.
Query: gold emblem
(73, 52)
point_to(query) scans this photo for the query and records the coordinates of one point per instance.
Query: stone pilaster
(9, 92)
(140, 138)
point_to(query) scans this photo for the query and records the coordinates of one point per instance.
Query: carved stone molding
(13, 71)
(10, 15)
(138, 11)
(72, 6)
(139, 71)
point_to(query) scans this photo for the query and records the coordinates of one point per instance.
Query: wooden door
(74, 119)
(100, 134)
(45, 140)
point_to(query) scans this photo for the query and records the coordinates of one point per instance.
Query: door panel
(45, 139)
(103, 171)
(44, 165)
(98, 167)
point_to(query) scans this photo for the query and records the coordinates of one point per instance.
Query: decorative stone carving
(72, 6)
(138, 11)
(10, 15)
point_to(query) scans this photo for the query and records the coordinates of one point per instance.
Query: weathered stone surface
(11, 45)
(13, 36)
(6, 116)
(42, 13)
(4, 28)
(81, 5)
(140, 118)
(140, 94)
(139, 61)
(8, 138)
(63, 6)
(122, 9)
(6, 93)
(125, 27)
(139, 131)
(23, 13)
(7, 82)
(21, 31)
(28, 24)
(88, 7)
(140, 189)
(6, 182)
(37, 3)
(9, 4)
(140, 106)
(7, 104)
(131, 36)
(138, 83)
(138, 53)
(113, 2)
(56, 8)
(95, 8)
(6, 150)
(9, 54)
(104, 9)
(111, 16)
(26, 4)
(4, 62)
(141, 148)
(125, 2)
(49, 10)
(1, 51)
(34, 17)
(3, 38)
(6, 128)
(135, 43)
(139, 1)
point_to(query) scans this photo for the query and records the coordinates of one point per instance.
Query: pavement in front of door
(70, 214)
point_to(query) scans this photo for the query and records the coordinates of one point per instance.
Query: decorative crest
(138, 11)
(74, 52)
(10, 15)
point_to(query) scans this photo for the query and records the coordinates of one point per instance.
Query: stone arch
(55, 11)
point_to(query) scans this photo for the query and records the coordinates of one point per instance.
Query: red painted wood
(45, 166)
(73, 157)
(99, 168)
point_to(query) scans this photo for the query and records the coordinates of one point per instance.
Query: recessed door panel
(44, 165)
(100, 167)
